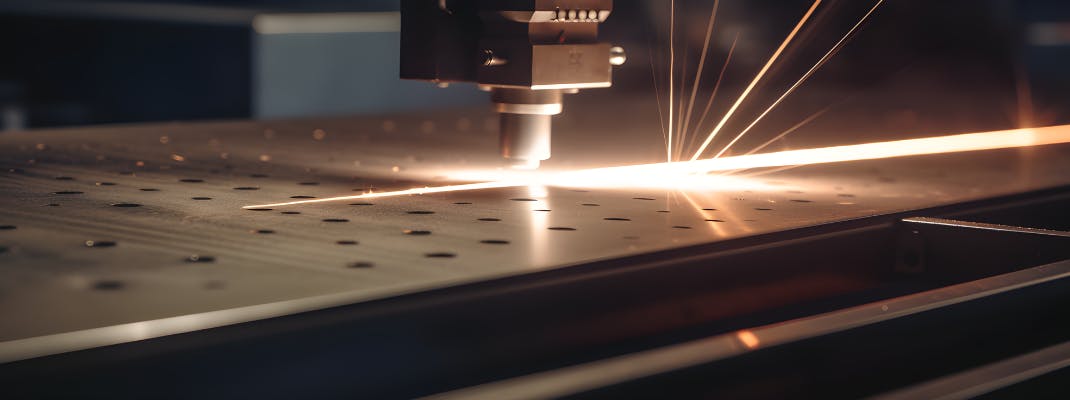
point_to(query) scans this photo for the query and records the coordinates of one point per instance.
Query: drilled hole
(542, 210)
(663, 211)
(125, 205)
(105, 183)
(52, 205)
(67, 192)
(361, 264)
(494, 241)
(763, 209)
(616, 219)
(7, 227)
(361, 204)
(462, 203)
(308, 183)
(420, 212)
(198, 258)
(590, 205)
(347, 242)
(681, 227)
(336, 220)
(490, 219)
(801, 201)
(100, 243)
(523, 199)
(108, 285)
(191, 180)
(149, 190)
(416, 232)
(714, 220)
(264, 231)
(643, 198)
(289, 212)
(561, 228)
(246, 188)
(709, 209)
(440, 255)
(64, 178)
(302, 197)
(209, 198)
(3, 249)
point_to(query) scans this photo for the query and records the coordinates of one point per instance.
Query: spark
(790, 130)
(701, 66)
(754, 82)
(781, 136)
(657, 97)
(693, 175)
(672, 62)
(716, 87)
(820, 63)
(680, 107)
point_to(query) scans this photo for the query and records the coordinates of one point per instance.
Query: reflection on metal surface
(577, 379)
(988, 378)
(189, 257)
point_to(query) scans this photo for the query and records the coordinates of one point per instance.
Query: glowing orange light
(748, 338)
(694, 174)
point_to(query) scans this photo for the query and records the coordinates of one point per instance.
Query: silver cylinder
(526, 123)
(525, 138)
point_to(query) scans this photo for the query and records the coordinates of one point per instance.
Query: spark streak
(698, 73)
(754, 82)
(820, 63)
(672, 65)
(694, 174)
(716, 88)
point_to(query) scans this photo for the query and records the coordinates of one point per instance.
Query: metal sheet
(173, 251)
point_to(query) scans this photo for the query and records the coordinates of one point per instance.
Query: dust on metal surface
(106, 226)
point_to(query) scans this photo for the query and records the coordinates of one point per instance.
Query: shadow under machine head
(526, 53)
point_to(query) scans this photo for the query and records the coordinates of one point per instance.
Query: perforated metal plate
(114, 234)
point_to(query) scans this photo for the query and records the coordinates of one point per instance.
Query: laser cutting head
(526, 53)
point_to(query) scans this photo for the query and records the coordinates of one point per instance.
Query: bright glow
(693, 175)
(413, 191)
(748, 339)
(754, 82)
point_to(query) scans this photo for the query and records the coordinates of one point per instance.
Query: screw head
(617, 56)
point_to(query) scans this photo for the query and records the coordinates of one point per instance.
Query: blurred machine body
(527, 54)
